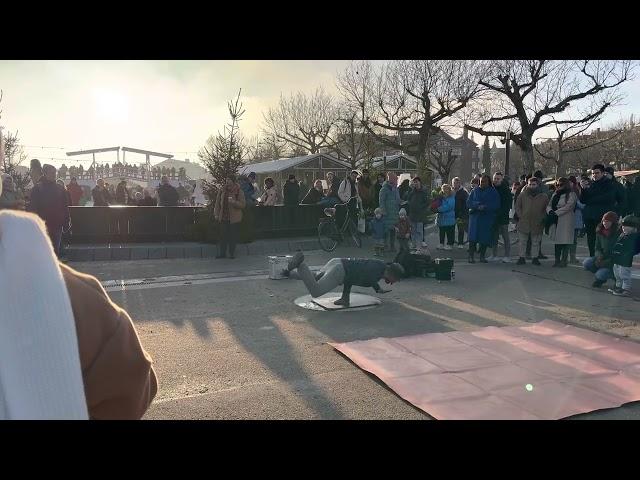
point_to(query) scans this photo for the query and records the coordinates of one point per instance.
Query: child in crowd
(377, 232)
(607, 234)
(626, 247)
(403, 230)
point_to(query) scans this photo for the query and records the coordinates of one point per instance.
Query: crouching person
(627, 245)
(346, 272)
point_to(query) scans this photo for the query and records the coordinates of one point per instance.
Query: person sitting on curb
(606, 236)
(361, 272)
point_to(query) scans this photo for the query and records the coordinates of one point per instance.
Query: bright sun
(110, 104)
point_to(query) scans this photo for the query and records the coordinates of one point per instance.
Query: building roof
(275, 166)
(378, 161)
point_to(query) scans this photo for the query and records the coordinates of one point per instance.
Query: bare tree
(351, 140)
(301, 121)
(12, 155)
(224, 153)
(410, 97)
(441, 157)
(528, 95)
(569, 140)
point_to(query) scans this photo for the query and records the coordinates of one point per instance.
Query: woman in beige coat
(562, 209)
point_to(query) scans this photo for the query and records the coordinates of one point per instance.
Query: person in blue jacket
(446, 218)
(483, 204)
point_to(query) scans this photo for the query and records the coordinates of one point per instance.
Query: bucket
(443, 268)
(277, 263)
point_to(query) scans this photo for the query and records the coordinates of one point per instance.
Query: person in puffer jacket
(446, 219)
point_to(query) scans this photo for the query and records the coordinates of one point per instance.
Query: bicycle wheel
(355, 234)
(328, 235)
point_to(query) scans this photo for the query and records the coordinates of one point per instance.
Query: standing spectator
(389, 200)
(50, 202)
(11, 198)
(100, 194)
(291, 191)
(404, 188)
(167, 193)
(531, 211)
(147, 199)
(501, 225)
(270, 196)
(634, 197)
(75, 191)
(562, 210)
(246, 184)
(315, 194)
(462, 212)
(365, 190)
(35, 172)
(418, 205)
(621, 206)
(403, 230)
(347, 191)
(598, 197)
(446, 218)
(138, 197)
(627, 245)
(548, 192)
(64, 189)
(376, 190)
(606, 237)
(378, 232)
(291, 194)
(332, 198)
(483, 203)
(122, 194)
(475, 183)
(579, 222)
(228, 212)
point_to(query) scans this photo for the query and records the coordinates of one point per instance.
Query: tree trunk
(421, 155)
(527, 155)
(560, 167)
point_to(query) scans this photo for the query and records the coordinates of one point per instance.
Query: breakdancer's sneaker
(295, 262)
(342, 301)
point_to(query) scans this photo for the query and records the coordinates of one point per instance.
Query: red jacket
(75, 191)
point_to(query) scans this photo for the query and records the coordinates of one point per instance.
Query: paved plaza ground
(229, 343)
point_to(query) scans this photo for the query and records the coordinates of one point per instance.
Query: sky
(165, 106)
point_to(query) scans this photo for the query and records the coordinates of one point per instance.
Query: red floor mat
(547, 370)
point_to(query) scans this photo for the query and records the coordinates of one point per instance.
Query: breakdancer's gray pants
(333, 277)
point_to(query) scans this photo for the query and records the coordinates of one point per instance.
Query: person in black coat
(599, 198)
(167, 193)
(622, 206)
(314, 195)
(501, 226)
(376, 189)
(291, 191)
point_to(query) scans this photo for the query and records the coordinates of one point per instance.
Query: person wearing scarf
(365, 189)
(601, 264)
(562, 210)
(531, 212)
(228, 212)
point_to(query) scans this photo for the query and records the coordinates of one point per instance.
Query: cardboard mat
(546, 370)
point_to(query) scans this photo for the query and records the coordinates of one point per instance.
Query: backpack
(435, 204)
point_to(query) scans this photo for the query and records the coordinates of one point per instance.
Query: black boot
(342, 301)
(558, 250)
(565, 256)
(521, 261)
(472, 256)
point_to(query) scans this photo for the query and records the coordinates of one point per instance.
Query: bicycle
(329, 235)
